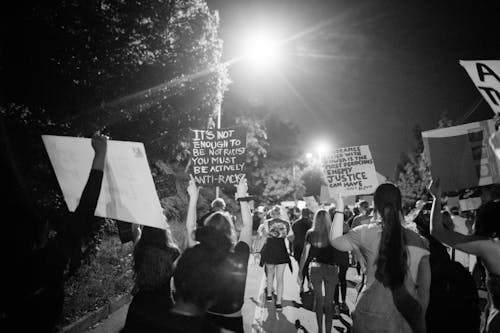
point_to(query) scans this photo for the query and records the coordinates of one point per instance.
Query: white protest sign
(486, 76)
(350, 171)
(128, 192)
(494, 142)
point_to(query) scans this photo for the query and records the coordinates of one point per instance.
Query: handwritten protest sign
(218, 156)
(128, 192)
(350, 171)
(461, 156)
(486, 76)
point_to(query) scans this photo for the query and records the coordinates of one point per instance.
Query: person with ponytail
(229, 257)
(396, 291)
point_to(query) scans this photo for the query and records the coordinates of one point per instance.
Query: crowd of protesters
(420, 275)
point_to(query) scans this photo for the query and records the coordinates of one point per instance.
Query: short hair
(363, 204)
(275, 212)
(218, 204)
(306, 212)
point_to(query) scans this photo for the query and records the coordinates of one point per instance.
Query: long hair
(154, 256)
(321, 227)
(392, 265)
(217, 234)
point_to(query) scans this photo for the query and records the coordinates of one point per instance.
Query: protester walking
(275, 254)
(485, 244)
(323, 271)
(396, 291)
(154, 257)
(33, 292)
(217, 236)
(300, 228)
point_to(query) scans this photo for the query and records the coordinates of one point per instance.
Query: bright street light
(261, 50)
(321, 147)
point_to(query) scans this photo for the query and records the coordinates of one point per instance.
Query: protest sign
(461, 157)
(350, 171)
(128, 192)
(486, 76)
(218, 156)
(494, 142)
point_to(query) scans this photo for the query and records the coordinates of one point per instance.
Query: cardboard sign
(218, 156)
(461, 157)
(486, 76)
(128, 192)
(350, 171)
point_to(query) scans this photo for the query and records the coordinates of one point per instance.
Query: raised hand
(241, 188)
(435, 188)
(192, 189)
(100, 144)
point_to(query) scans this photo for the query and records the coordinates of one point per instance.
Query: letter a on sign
(486, 76)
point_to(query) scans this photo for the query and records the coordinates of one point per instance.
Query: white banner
(486, 76)
(350, 171)
(128, 192)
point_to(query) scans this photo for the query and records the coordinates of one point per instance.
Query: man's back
(300, 228)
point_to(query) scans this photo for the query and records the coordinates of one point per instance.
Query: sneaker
(269, 298)
(279, 307)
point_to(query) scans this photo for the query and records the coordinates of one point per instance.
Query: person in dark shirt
(324, 271)
(217, 237)
(300, 228)
(33, 293)
(154, 257)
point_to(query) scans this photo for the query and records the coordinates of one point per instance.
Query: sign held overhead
(486, 76)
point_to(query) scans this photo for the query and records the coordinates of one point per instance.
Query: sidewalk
(260, 316)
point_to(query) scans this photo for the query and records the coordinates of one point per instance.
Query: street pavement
(260, 316)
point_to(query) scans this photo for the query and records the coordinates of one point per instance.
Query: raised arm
(246, 216)
(193, 192)
(69, 239)
(336, 239)
(90, 194)
(468, 243)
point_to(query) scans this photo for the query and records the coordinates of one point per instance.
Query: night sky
(367, 71)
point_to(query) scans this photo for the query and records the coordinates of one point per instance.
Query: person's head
(487, 221)
(321, 226)
(278, 212)
(218, 204)
(195, 278)
(154, 256)
(392, 257)
(363, 206)
(306, 213)
(217, 233)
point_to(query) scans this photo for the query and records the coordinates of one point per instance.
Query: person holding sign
(33, 294)
(217, 236)
(396, 291)
(485, 244)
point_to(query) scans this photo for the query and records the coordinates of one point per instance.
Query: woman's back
(367, 239)
(321, 251)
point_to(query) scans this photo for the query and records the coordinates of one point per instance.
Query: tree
(282, 182)
(139, 71)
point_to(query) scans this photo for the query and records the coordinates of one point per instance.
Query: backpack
(453, 303)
